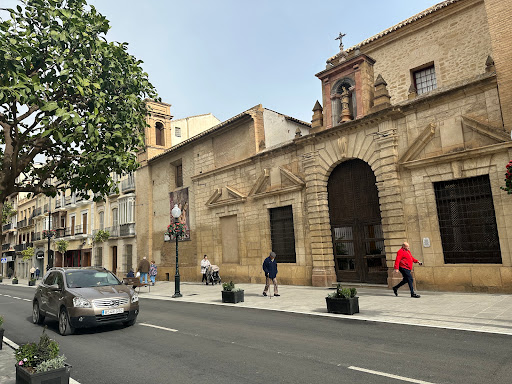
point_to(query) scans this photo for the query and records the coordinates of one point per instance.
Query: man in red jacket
(403, 263)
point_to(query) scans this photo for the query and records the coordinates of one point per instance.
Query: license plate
(112, 311)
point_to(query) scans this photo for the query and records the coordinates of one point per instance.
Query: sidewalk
(475, 312)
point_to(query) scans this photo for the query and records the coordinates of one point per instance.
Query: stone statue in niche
(345, 104)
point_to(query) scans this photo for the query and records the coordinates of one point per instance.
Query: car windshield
(90, 278)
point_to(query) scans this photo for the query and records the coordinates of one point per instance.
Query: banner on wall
(181, 198)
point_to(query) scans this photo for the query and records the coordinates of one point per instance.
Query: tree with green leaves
(68, 97)
(7, 212)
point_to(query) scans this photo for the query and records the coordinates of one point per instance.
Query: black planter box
(1, 337)
(343, 306)
(31, 283)
(233, 296)
(56, 376)
(15, 281)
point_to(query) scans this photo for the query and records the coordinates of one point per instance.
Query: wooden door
(358, 240)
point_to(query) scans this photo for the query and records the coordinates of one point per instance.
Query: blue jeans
(144, 275)
(152, 278)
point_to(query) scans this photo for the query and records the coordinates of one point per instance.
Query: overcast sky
(225, 56)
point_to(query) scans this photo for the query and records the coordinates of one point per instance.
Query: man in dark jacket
(270, 269)
(144, 269)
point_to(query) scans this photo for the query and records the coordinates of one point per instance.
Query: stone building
(410, 142)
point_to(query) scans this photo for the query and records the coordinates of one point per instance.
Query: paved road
(199, 343)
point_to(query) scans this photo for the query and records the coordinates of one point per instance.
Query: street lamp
(176, 213)
(50, 259)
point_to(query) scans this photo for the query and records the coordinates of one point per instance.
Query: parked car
(84, 297)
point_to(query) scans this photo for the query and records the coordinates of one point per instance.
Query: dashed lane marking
(389, 375)
(159, 327)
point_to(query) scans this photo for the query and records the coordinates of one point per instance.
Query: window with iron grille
(425, 80)
(179, 175)
(177, 131)
(282, 234)
(467, 221)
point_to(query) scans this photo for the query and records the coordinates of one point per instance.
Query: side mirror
(54, 287)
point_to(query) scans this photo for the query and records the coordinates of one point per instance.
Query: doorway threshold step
(347, 284)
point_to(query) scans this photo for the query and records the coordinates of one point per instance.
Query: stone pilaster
(323, 273)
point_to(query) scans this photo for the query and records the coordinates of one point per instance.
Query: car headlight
(135, 298)
(80, 302)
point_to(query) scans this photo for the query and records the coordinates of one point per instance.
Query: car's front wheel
(65, 327)
(37, 317)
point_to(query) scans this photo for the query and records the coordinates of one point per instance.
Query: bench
(135, 282)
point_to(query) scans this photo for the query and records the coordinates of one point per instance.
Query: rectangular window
(282, 234)
(425, 80)
(467, 221)
(102, 220)
(177, 131)
(84, 222)
(98, 259)
(127, 257)
(179, 175)
(229, 235)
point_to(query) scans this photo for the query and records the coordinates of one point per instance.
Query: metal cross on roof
(340, 37)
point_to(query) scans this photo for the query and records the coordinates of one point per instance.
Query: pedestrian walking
(403, 263)
(153, 270)
(143, 268)
(38, 272)
(205, 263)
(270, 269)
(32, 272)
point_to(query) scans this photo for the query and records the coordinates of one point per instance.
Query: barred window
(467, 221)
(177, 131)
(425, 80)
(98, 258)
(282, 234)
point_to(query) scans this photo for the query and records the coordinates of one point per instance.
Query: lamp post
(50, 259)
(176, 212)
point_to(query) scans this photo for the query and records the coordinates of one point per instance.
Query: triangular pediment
(276, 181)
(418, 144)
(486, 128)
(225, 196)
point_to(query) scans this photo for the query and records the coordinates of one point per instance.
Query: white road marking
(14, 297)
(158, 327)
(389, 375)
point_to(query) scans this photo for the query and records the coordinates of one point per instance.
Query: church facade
(409, 143)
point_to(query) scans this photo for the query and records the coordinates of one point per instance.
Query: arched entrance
(356, 228)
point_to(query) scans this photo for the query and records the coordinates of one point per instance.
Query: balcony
(68, 200)
(5, 247)
(114, 231)
(22, 223)
(37, 236)
(37, 212)
(7, 227)
(128, 185)
(79, 230)
(127, 229)
(22, 247)
(58, 203)
(45, 210)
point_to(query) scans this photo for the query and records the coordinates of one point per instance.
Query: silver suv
(84, 297)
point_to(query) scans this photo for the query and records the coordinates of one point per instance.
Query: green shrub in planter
(32, 282)
(343, 300)
(15, 280)
(230, 294)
